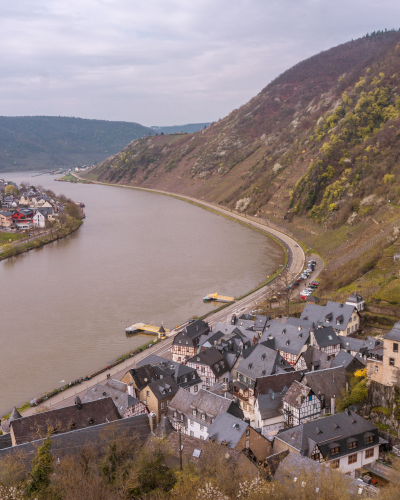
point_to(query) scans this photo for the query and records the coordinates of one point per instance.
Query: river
(139, 256)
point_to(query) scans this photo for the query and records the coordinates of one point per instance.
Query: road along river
(138, 257)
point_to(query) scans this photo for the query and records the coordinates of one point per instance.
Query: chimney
(152, 421)
(78, 403)
(131, 390)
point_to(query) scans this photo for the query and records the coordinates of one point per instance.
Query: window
(335, 464)
(348, 331)
(193, 376)
(175, 415)
(148, 394)
(194, 412)
(395, 347)
(192, 423)
(162, 405)
(202, 437)
(192, 433)
(353, 459)
(203, 417)
(369, 439)
(207, 380)
(179, 347)
(369, 453)
(356, 327)
(250, 408)
(391, 361)
(203, 369)
(376, 369)
(352, 445)
(335, 450)
(168, 403)
(202, 427)
(196, 388)
(247, 432)
(309, 398)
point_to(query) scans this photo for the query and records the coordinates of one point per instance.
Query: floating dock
(218, 298)
(142, 327)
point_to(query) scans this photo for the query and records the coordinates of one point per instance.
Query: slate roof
(328, 383)
(192, 333)
(355, 298)
(345, 359)
(315, 358)
(15, 414)
(333, 314)
(304, 323)
(246, 352)
(122, 400)
(203, 401)
(295, 394)
(64, 419)
(260, 323)
(394, 333)
(164, 388)
(6, 213)
(351, 344)
(213, 358)
(278, 382)
(288, 338)
(270, 404)
(143, 375)
(236, 329)
(137, 427)
(164, 428)
(220, 391)
(262, 361)
(332, 429)
(227, 428)
(326, 337)
(116, 384)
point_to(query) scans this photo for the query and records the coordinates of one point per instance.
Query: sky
(167, 62)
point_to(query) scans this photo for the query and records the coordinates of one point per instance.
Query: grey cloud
(163, 62)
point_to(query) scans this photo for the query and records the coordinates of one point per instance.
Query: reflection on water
(139, 257)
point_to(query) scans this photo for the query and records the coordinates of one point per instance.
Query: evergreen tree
(42, 469)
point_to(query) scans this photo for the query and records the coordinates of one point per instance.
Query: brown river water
(138, 257)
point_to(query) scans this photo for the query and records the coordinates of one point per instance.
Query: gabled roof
(260, 323)
(315, 359)
(355, 298)
(261, 362)
(122, 400)
(227, 429)
(164, 428)
(237, 329)
(288, 338)
(329, 382)
(277, 383)
(143, 375)
(332, 429)
(164, 388)
(15, 414)
(333, 314)
(296, 394)
(345, 359)
(270, 404)
(213, 358)
(64, 419)
(326, 337)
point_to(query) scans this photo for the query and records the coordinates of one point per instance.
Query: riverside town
(210, 309)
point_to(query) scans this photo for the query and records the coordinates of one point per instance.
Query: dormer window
(250, 366)
(194, 412)
(369, 439)
(179, 340)
(198, 359)
(203, 417)
(300, 335)
(287, 342)
(335, 450)
(352, 445)
(263, 357)
(193, 376)
(284, 331)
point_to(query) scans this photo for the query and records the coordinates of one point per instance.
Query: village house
(127, 405)
(157, 395)
(42, 215)
(5, 218)
(356, 301)
(185, 376)
(186, 342)
(62, 420)
(343, 318)
(384, 366)
(262, 362)
(312, 359)
(300, 404)
(139, 378)
(345, 440)
(237, 434)
(289, 340)
(327, 384)
(325, 339)
(349, 362)
(194, 413)
(211, 366)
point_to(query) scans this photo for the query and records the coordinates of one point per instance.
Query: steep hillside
(50, 141)
(259, 157)
(173, 129)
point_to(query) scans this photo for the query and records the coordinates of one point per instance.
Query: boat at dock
(218, 298)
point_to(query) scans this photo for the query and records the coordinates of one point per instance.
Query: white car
(305, 292)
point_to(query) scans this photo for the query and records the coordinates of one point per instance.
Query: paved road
(296, 259)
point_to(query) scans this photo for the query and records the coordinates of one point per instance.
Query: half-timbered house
(300, 404)
(325, 339)
(211, 366)
(186, 342)
(289, 340)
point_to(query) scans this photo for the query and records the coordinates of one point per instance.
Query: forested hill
(49, 141)
(314, 143)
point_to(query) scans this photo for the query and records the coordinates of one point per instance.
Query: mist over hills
(42, 142)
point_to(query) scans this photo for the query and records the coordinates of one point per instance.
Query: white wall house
(300, 404)
(39, 220)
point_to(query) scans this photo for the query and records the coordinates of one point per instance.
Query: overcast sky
(164, 62)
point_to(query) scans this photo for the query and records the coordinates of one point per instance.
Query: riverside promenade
(295, 263)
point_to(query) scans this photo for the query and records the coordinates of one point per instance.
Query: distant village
(274, 393)
(26, 207)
